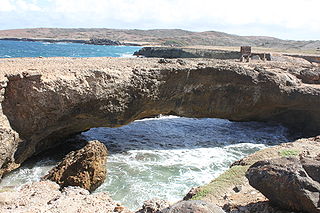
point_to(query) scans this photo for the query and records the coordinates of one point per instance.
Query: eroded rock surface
(310, 76)
(85, 168)
(154, 206)
(45, 100)
(45, 197)
(289, 183)
(221, 191)
(193, 206)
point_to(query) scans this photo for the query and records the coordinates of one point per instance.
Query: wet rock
(85, 168)
(290, 183)
(193, 191)
(193, 206)
(154, 206)
(46, 197)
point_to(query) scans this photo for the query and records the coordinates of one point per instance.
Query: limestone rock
(193, 206)
(85, 168)
(45, 197)
(43, 101)
(310, 76)
(289, 183)
(172, 52)
(154, 206)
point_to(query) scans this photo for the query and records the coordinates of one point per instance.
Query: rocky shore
(46, 100)
(93, 41)
(45, 196)
(248, 186)
(173, 52)
(262, 189)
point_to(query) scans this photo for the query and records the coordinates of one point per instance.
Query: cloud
(286, 15)
(6, 6)
(18, 6)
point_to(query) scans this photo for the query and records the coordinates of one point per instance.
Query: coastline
(80, 41)
(45, 100)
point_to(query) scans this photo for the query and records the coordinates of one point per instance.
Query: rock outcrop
(45, 100)
(154, 206)
(221, 190)
(193, 206)
(289, 183)
(103, 41)
(85, 168)
(46, 197)
(310, 76)
(173, 52)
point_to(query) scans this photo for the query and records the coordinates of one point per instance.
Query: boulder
(193, 206)
(290, 183)
(85, 168)
(310, 76)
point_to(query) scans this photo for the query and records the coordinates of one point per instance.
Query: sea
(14, 49)
(161, 157)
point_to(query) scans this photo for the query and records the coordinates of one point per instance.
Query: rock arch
(60, 97)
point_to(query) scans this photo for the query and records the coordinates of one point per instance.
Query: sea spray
(164, 157)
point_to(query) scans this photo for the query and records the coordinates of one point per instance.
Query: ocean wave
(165, 156)
(127, 55)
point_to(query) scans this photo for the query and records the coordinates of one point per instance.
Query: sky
(286, 19)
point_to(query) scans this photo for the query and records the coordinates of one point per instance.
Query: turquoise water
(14, 49)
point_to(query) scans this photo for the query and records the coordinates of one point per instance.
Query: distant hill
(167, 37)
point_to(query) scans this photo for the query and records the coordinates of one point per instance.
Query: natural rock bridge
(45, 100)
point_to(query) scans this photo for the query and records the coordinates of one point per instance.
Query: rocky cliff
(45, 100)
(171, 52)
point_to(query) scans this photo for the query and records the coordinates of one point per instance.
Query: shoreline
(79, 41)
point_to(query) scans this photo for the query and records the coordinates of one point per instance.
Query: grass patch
(233, 176)
(288, 153)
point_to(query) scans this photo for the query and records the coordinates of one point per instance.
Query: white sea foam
(127, 55)
(165, 156)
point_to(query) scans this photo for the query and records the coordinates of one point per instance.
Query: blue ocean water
(14, 49)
